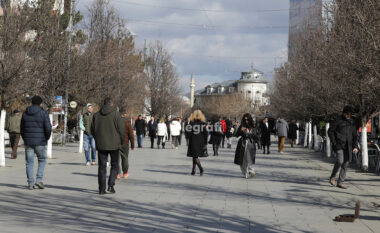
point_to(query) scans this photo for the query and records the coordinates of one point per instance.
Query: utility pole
(70, 29)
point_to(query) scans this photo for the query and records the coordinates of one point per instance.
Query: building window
(220, 89)
(209, 90)
(231, 89)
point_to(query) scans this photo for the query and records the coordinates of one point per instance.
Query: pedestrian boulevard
(290, 193)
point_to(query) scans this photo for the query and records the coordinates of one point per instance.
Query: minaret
(192, 86)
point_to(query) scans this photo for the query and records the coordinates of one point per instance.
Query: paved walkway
(290, 193)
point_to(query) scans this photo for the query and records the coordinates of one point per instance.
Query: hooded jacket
(108, 129)
(35, 126)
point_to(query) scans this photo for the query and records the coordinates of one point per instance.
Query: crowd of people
(108, 133)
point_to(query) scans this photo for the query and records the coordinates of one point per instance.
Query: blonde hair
(162, 120)
(198, 115)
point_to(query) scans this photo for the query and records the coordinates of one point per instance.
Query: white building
(251, 84)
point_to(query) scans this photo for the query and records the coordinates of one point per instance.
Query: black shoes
(201, 171)
(39, 185)
(111, 190)
(102, 192)
(192, 172)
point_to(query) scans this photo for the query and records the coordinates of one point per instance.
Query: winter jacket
(108, 129)
(343, 135)
(87, 121)
(35, 126)
(292, 131)
(140, 126)
(197, 140)
(265, 133)
(162, 129)
(186, 130)
(216, 134)
(224, 126)
(242, 146)
(282, 128)
(152, 128)
(13, 123)
(175, 128)
(128, 133)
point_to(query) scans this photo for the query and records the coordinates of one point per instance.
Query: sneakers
(118, 176)
(39, 185)
(30, 187)
(125, 176)
(111, 190)
(88, 164)
(93, 163)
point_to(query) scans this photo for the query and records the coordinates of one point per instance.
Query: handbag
(204, 151)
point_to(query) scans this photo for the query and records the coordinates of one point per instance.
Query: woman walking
(216, 135)
(197, 140)
(162, 133)
(175, 131)
(246, 148)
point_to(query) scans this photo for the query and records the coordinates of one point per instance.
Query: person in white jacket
(175, 131)
(162, 133)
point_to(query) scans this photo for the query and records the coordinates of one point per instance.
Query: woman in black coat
(292, 133)
(197, 140)
(216, 135)
(265, 134)
(246, 148)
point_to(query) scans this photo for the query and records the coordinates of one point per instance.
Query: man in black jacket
(140, 130)
(152, 129)
(108, 129)
(343, 135)
(35, 131)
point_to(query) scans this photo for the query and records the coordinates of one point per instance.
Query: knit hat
(36, 100)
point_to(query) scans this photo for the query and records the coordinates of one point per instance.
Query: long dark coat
(292, 134)
(243, 147)
(343, 135)
(152, 128)
(216, 134)
(197, 139)
(265, 134)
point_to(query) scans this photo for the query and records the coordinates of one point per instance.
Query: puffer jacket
(35, 126)
(175, 128)
(162, 129)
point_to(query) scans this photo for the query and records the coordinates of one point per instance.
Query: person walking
(140, 130)
(13, 128)
(216, 135)
(162, 133)
(152, 130)
(187, 131)
(175, 130)
(197, 140)
(224, 129)
(265, 135)
(245, 154)
(35, 129)
(108, 129)
(343, 135)
(292, 134)
(229, 133)
(88, 139)
(282, 133)
(129, 142)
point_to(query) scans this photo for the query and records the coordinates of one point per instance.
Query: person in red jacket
(224, 127)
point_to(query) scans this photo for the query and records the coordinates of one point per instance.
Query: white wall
(254, 88)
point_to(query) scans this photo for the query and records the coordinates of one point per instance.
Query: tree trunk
(298, 133)
(306, 134)
(328, 146)
(49, 151)
(316, 141)
(80, 137)
(2, 141)
(310, 138)
(364, 147)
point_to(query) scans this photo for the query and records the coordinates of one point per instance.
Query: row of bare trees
(336, 62)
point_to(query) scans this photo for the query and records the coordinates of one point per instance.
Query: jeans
(342, 161)
(102, 170)
(124, 152)
(175, 141)
(89, 141)
(140, 140)
(40, 151)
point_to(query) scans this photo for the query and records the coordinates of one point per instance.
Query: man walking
(35, 131)
(265, 135)
(152, 130)
(282, 133)
(13, 128)
(140, 130)
(343, 135)
(88, 139)
(108, 130)
(124, 151)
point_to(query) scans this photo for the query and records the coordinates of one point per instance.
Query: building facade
(251, 85)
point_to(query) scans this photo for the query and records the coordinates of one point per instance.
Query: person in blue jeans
(140, 126)
(88, 138)
(35, 130)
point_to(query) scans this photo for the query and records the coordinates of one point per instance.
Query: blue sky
(214, 39)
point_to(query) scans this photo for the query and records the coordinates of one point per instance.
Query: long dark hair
(247, 124)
